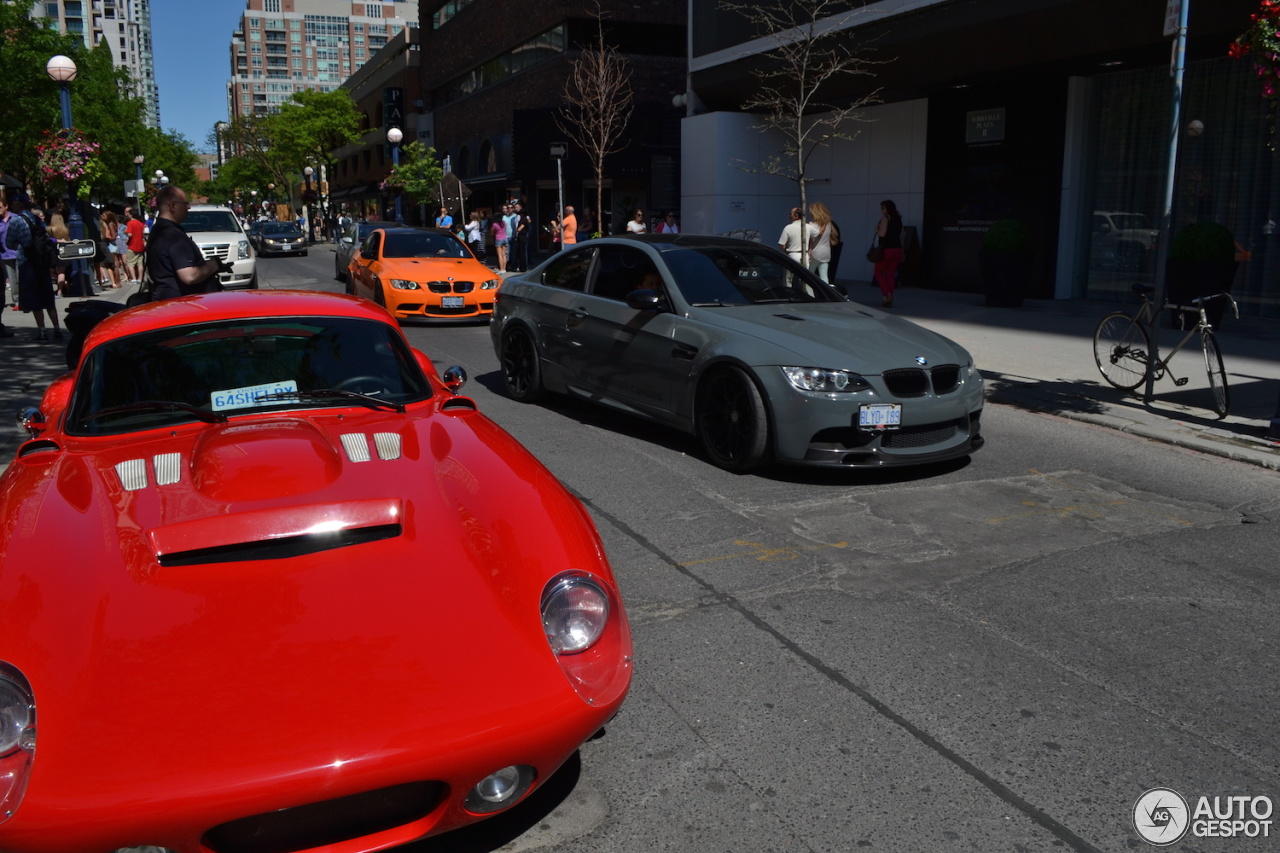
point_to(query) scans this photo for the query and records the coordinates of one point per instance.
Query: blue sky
(191, 41)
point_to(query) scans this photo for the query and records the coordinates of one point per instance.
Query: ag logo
(1161, 816)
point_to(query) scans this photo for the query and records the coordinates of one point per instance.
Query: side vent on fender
(465, 404)
(41, 446)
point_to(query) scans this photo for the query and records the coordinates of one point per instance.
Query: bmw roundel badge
(921, 360)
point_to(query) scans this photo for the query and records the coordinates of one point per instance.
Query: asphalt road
(999, 654)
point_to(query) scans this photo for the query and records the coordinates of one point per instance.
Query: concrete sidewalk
(1037, 357)
(1040, 357)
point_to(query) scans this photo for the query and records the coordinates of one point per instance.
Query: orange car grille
(451, 286)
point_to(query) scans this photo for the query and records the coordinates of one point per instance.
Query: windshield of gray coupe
(729, 275)
(211, 371)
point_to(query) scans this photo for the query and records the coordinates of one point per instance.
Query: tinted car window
(276, 228)
(570, 270)
(223, 366)
(721, 275)
(622, 270)
(371, 244)
(423, 244)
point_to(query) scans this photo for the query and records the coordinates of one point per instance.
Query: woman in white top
(475, 234)
(636, 225)
(820, 244)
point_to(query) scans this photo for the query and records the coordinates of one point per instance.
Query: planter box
(1006, 277)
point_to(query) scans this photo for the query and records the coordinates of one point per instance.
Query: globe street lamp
(271, 188)
(308, 172)
(394, 136)
(61, 69)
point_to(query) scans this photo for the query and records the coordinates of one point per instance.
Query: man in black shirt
(175, 263)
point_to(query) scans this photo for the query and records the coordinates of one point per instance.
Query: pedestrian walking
(636, 224)
(499, 230)
(794, 240)
(523, 239)
(27, 234)
(821, 243)
(668, 225)
(889, 234)
(568, 228)
(135, 245)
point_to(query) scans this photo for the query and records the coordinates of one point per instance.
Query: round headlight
(403, 284)
(499, 789)
(575, 611)
(15, 715)
(491, 284)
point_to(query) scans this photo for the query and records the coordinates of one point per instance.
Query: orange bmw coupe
(424, 273)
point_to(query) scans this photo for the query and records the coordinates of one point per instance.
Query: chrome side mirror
(32, 420)
(454, 378)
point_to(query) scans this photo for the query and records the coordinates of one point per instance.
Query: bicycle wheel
(1120, 350)
(1217, 374)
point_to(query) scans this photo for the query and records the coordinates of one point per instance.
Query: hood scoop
(278, 533)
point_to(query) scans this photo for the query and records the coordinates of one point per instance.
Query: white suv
(217, 232)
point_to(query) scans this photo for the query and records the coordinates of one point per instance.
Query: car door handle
(684, 351)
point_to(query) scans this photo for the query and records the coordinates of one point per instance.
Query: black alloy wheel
(521, 372)
(731, 420)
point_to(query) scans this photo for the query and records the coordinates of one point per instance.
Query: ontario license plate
(451, 301)
(872, 416)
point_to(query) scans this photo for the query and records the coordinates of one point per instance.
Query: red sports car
(268, 584)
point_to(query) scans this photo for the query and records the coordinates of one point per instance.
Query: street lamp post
(308, 172)
(271, 189)
(394, 136)
(63, 70)
(137, 184)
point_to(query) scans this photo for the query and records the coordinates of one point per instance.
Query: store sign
(393, 107)
(1172, 17)
(984, 126)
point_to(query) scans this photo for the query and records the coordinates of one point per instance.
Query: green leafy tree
(419, 173)
(311, 125)
(30, 98)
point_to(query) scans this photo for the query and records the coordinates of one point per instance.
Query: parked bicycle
(1120, 346)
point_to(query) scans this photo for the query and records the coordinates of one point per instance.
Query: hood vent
(356, 444)
(281, 548)
(43, 445)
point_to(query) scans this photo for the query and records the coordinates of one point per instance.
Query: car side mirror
(32, 420)
(646, 300)
(368, 255)
(454, 378)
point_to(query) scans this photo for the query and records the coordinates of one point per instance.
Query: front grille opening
(946, 378)
(282, 548)
(908, 382)
(326, 823)
(924, 435)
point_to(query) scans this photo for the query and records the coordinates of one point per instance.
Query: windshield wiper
(716, 304)
(332, 394)
(158, 406)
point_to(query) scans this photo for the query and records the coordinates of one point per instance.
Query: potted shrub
(1202, 261)
(1005, 260)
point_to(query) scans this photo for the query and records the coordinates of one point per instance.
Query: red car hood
(251, 601)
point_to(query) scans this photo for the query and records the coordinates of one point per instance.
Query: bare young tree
(598, 101)
(811, 53)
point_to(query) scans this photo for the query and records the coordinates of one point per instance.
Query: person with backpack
(36, 257)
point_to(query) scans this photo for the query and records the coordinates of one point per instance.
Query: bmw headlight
(823, 381)
(491, 284)
(575, 610)
(403, 284)
(242, 251)
(17, 738)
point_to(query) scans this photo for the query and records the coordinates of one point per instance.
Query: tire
(731, 420)
(253, 282)
(338, 272)
(1120, 351)
(521, 370)
(1217, 374)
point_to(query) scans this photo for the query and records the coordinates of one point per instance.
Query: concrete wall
(886, 159)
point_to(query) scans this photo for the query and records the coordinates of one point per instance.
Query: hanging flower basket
(1261, 43)
(67, 156)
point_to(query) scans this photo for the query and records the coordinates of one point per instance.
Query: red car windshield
(213, 371)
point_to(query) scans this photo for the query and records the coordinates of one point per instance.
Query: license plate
(873, 416)
(451, 301)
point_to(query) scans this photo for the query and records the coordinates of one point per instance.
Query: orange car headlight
(404, 284)
(491, 284)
